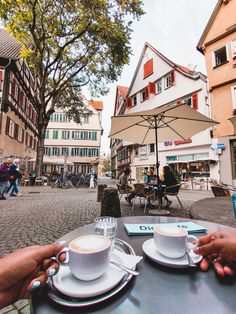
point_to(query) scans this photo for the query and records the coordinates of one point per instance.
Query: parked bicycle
(84, 181)
(63, 182)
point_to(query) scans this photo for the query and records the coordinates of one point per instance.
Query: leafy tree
(107, 164)
(69, 44)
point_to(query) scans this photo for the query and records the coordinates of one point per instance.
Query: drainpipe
(9, 62)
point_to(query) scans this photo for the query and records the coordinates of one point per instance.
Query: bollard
(110, 205)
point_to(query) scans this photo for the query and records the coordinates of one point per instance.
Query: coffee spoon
(190, 260)
(128, 270)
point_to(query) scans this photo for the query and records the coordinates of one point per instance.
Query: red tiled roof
(9, 46)
(97, 104)
(123, 90)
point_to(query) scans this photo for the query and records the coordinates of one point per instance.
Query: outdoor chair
(167, 192)
(122, 190)
(139, 190)
(220, 191)
(24, 180)
(39, 181)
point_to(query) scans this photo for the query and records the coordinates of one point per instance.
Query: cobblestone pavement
(43, 214)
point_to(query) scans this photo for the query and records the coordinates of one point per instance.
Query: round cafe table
(157, 289)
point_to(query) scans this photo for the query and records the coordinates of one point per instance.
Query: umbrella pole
(157, 162)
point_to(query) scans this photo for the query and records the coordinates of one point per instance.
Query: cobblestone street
(43, 214)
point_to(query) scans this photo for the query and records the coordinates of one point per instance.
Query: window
(134, 100)
(47, 134)
(20, 137)
(55, 134)
(220, 56)
(234, 96)
(65, 135)
(144, 94)
(233, 152)
(47, 151)
(11, 128)
(168, 81)
(86, 118)
(152, 148)
(188, 101)
(65, 151)
(159, 87)
(233, 47)
(55, 151)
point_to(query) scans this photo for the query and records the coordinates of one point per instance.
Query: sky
(174, 28)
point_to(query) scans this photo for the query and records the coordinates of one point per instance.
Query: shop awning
(191, 161)
(54, 161)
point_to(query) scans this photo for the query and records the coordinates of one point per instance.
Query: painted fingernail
(35, 285)
(52, 272)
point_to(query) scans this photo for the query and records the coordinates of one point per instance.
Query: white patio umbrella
(165, 123)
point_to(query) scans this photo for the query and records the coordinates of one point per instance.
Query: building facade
(158, 81)
(218, 44)
(120, 150)
(76, 146)
(18, 115)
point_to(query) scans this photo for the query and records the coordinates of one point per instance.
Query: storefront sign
(183, 142)
(170, 143)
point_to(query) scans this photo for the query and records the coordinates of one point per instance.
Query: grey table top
(214, 209)
(157, 289)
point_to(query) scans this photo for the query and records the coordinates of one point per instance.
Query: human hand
(218, 249)
(26, 269)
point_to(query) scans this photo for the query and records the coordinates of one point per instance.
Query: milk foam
(171, 231)
(89, 243)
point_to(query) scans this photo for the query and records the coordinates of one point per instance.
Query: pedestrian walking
(4, 177)
(14, 177)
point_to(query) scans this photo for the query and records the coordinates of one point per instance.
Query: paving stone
(6, 309)
(21, 304)
(26, 310)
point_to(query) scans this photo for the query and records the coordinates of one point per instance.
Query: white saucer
(151, 251)
(69, 285)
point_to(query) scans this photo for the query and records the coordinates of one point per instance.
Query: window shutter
(195, 101)
(23, 133)
(151, 88)
(173, 77)
(179, 102)
(148, 68)
(1, 76)
(129, 102)
(16, 130)
(7, 125)
(146, 93)
(26, 138)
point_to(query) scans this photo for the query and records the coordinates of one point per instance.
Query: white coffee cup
(173, 242)
(87, 256)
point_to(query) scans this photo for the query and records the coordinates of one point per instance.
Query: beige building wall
(8, 145)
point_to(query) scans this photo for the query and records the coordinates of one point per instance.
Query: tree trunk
(40, 153)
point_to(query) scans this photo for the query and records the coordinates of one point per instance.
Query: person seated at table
(25, 270)
(152, 178)
(124, 185)
(169, 180)
(218, 249)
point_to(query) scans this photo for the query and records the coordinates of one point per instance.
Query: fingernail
(62, 242)
(51, 272)
(36, 284)
(196, 250)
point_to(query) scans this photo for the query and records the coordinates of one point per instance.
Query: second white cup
(173, 242)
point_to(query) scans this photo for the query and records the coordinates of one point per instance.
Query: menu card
(145, 229)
